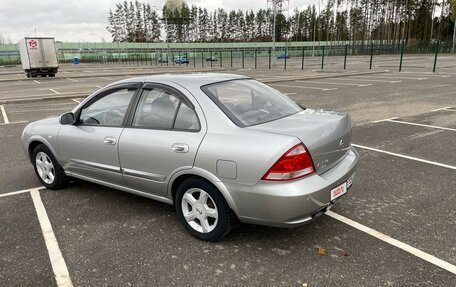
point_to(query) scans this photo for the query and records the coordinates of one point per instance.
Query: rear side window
(249, 102)
(160, 109)
(186, 119)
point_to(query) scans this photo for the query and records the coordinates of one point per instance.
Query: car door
(89, 147)
(162, 137)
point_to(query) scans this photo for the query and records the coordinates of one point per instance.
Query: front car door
(161, 138)
(89, 148)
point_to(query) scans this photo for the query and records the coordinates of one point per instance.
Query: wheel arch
(181, 176)
(36, 141)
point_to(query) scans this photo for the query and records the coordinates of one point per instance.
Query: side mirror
(67, 119)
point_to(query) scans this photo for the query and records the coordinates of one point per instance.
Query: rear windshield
(248, 102)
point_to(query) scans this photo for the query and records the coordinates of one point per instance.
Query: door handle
(180, 148)
(110, 140)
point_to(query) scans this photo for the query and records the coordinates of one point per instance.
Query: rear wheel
(202, 210)
(48, 170)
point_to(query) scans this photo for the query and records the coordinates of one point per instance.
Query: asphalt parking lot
(396, 226)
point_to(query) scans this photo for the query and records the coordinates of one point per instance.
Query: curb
(38, 99)
(143, 73)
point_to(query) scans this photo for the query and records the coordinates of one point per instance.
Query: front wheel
(202, 210)
(48, 170)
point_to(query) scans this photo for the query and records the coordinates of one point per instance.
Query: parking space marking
(5, 117)
(12, 123)
(406, 156)
(62, 276)
(351, 78)
(442, 109)
(289, 94)
(54, 91)
(304, 87)
(396, 77)
(420, 125)
(19, 192)
(334, 83)
(384, 120)
(73, 80)
(74, 100)
(99, 87)
(106, 78)
(37, 82)
(403, 246)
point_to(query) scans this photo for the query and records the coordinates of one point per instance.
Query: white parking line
(421, 125)
(62, 276)
(406, 156)
(106, 78)
(333, 83)
(367, 80)
(384, 120)
(74, 100)
(395, 77)
(54, 91)
(385, 238)
(99, 87)
(5, 117)
(12, 123)
(20, 191)
(304, 87)
(73, 80)
(289, 94)
(442, 109)
(37, 82)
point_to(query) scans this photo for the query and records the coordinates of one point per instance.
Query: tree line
(412, 21)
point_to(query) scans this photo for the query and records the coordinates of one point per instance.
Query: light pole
(274, 11)
(166, 29)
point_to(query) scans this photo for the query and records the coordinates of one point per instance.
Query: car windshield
(248, 102)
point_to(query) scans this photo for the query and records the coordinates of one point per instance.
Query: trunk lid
(327, 135)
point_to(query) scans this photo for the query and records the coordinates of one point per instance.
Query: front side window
(109, 110)
(160, 109)
(249, 102)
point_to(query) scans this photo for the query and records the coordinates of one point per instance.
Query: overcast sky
(85, 20)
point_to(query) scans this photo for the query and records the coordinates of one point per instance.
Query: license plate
(338, 191)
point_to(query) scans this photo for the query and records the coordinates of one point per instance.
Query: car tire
(208, 217)
(47, 169)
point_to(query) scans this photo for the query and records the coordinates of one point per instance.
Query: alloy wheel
(45, 167)
(200, 210)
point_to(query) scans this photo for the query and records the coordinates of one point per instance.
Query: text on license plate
(338, 191)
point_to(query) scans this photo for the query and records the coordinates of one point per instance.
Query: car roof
(185, 80)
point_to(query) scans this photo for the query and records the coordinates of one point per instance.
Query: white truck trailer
(38, 56)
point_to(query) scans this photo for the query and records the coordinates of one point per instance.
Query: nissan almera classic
(222, 148)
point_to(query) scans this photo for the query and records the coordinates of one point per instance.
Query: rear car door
(162, 137)
(89, 147)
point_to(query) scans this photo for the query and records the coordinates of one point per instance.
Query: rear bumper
(288, 204)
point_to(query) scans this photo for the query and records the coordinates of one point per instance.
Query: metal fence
(238, 55)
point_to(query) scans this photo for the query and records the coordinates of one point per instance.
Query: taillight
(294, 164)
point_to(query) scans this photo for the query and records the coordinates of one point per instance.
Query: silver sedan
(222, 148)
